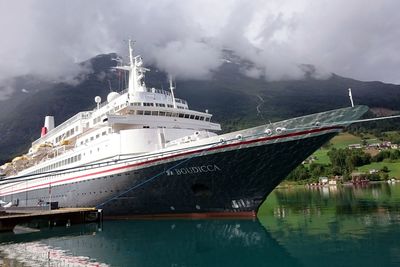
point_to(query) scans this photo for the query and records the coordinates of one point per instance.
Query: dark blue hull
(228, 182)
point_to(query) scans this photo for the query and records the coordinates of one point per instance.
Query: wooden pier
(60, 217)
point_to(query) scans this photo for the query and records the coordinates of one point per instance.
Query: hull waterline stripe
(177, 155)
(196, 215)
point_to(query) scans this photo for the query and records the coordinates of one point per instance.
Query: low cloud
(6, 88)
(197, 59)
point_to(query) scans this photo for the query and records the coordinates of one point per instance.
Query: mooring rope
(157, 175)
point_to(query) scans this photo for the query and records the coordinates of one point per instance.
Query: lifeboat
(6, 169)
(20, 162)
(40, 150)
(65, 142)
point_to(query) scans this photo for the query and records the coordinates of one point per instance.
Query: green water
(346, 226)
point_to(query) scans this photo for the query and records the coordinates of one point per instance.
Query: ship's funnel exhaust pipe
(48, 125)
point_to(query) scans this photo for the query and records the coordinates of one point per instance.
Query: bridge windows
(171, 114)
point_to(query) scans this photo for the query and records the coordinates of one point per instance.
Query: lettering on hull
(194, 169)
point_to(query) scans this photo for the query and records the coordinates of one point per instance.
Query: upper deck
(147, 118)
(136, 107)
(65, 130)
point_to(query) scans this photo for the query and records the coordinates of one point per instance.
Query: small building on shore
(359, 177)
(372, 171)
(355, 146)
(323, 180)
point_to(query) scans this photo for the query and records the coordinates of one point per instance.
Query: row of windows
(96, 120)
(177, 100)
(168, 114)
(91, 138)
(166, 93)
(59, 164)
(158, 91)
(145, 104)
(67, 134)
(148, 104)
(101, 117)
(41, 201)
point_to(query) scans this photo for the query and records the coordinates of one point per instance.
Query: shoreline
(288, 185)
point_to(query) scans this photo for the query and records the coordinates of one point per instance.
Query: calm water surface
(348, 226)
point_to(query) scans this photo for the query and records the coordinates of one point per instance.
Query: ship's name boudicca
(194, 169)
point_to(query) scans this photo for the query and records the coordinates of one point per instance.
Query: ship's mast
(136, 72)
(132, 72)
(172, 88)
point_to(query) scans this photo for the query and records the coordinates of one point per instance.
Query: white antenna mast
(135, 71)
(351, 98)
(171, 87)
(132, 87)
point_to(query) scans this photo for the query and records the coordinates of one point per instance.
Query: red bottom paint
(203, 215)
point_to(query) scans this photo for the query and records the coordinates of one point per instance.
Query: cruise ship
(144, 152)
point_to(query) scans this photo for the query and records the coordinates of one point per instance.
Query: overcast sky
(353, 38)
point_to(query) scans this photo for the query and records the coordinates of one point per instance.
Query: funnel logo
(194, 169)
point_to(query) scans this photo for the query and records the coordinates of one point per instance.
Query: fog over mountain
(357, 39)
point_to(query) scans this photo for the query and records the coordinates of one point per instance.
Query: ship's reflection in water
(337, 226)
(346, 226)
(150, 243)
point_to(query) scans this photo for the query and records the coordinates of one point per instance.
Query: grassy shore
(393, 166)
(343, 140)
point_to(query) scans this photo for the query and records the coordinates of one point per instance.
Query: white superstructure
(132, 122)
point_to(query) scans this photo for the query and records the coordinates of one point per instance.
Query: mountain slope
(237, 101)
